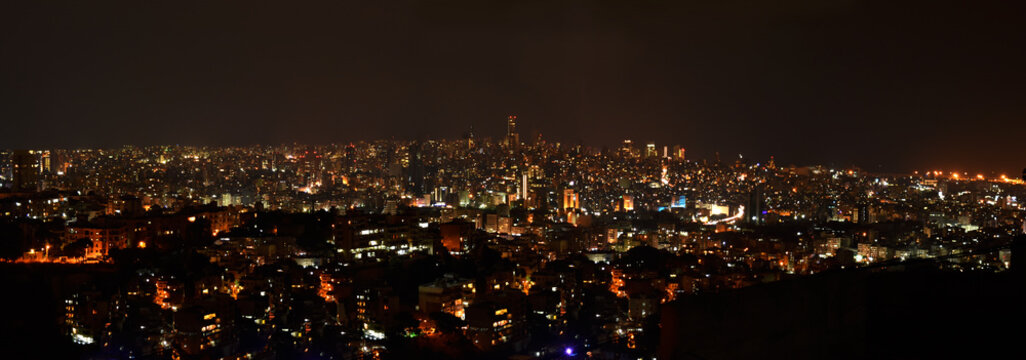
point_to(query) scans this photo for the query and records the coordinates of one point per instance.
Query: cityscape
(494, 247)
(512, 180)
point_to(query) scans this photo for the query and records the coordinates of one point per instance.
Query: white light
(82, 339)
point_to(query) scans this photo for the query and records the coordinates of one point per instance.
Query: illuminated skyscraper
(628, 203)
(25, 170)
(470, 137)
(522, 189)
(512, 138)
(5, 166)
(650, 150)
(570, 200)
(45, 161)
(628, 148)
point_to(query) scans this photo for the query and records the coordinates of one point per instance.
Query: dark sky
(883, 85)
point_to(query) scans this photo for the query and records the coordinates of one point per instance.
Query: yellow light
(142, 244)
(192, 219)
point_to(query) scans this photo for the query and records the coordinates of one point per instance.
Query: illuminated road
(738, 216)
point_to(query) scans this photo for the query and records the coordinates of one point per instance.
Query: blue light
(569, 351)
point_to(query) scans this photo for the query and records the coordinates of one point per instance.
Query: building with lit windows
(205, 328)
(491, 324)
(512, 137)
(448, 295)
(571, 200)
(25, 170)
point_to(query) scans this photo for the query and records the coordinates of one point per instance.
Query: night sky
(886, 86)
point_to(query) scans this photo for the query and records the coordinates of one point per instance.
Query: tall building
(756, 206)
(650, 150)
(678, 152)
(349, 158)
(512, 138)
(5, 167)
(628, 203)
(863, 215)
(523, 188)
(44, 161)
(570, 200)
(470, 138)
(415, 172)
(25, 170)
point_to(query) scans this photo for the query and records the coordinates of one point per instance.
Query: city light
(393, 238)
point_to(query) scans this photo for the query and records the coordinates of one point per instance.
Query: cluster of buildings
(454, 248)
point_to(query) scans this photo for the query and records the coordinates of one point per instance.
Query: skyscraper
(349, 163)
(678, 152)
(570, 200)
(25, 170)
(45, 161)
(650, 150)
(628, 203)
(756, 206)
(512, 138)
(522, 189)
(415, 172)
(627, 149)
(862, 215)
(5, 167)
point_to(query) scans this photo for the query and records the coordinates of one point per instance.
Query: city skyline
(699, 155)
(512, 180)
(493, 248)
(971, 172)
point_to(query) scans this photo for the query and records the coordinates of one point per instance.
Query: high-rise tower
(754, 212)
(571, 201)
(415, 172)
(25, 170)
(512, 138)
(6, 167)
